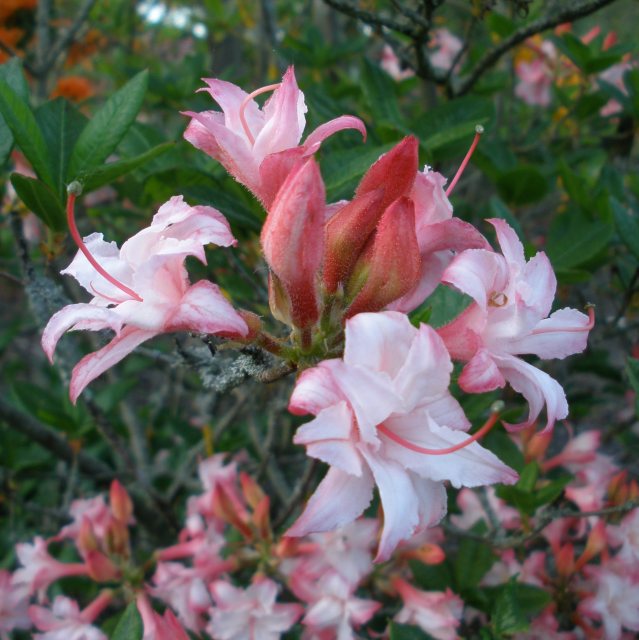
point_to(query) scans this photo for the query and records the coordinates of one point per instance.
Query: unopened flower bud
(390, 266)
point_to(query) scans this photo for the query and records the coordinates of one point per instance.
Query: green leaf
(108, 126)
(26, 132)
(107, 173)
(432, 577)
(130, 625)
(61, 124)
(575, 238)
(407, 632)
(11, 73)
(379, 91)
(452, 122)
(473, 560)
(575, 49)
(627, 226)
(523, 185)
(507, 616)
(343, 169)
(446, 303)
(40, 198)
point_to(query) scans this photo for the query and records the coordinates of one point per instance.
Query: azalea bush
(351, 295)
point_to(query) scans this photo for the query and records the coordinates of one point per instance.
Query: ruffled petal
(399, 501)
(379, 341)
(95, 364)
(462, 336)
(564, 333)
(477, 273)
(329, 438)
(338, 500)
(481, 374)
(537, 387)
(77, 316)
(284, 119)
(315, 390)
(274, 170)
(537, 290)
(204, 309)
(315, 139)
(511, 246)
(470, 466)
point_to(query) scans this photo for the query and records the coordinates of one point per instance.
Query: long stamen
(478, 131)
(249, 97)
(490, 423)
(587, 327)
(72, 191)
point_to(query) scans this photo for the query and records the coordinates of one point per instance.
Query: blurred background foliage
(563, 174)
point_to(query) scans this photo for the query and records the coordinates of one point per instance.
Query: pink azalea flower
(437, 613)
(534, 80)
(40, 569)
(259, 146)
(151, 266)
(626, 534)
(14, 602)
(614, 76)
(545, 626)
(615, 601)
(392, 65)
(184, 589)
(447, 45)
(250, 614)
(473, 510)
(508, 318)
(65, 621)
(379, 412)
(337, 610)
(157, 627)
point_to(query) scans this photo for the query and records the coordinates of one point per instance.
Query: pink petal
(95, 364)
(379, 341)
(90, 317)
(445, 410)
(399, 501)
(431, 203)
(315, 390)
(204, 309)
(329, 438)
(481, 374)
(425, 373)
(233, 153)
(471, 466)
(477, 273)
(453, 234)
(284, 119)
(562, 334)
(462, 336)
(511, 247)
(537, 387)
(338, 500)
(370, 394)
(230, 98)
(315, 139)
(274, 170)
(540, 285)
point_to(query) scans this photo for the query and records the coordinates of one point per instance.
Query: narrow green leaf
(26, 132)
(632, 370)
(522, 185)
(61, 124)
(473, 560)
(507, 616)
(130, 625)
(11, 72)
(379, 91)
(627, 226)
(574, 239)
(108, 126)
(107, 173)
(41, 199)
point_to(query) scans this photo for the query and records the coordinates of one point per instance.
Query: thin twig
(371, 18)
(49, 439)
(567, 13)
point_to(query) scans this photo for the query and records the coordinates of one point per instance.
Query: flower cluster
(327, 583)
(342, 278)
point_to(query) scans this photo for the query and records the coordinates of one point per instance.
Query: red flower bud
(293, 240)
(121, 505)
(390, 265)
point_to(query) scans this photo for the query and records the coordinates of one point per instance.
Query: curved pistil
(249, 97)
